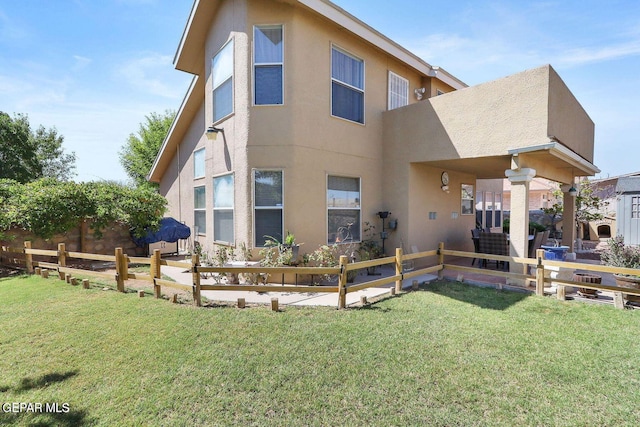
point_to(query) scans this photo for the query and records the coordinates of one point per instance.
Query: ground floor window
(467, 199)
(223, 208)
(268, 205)
(200, 210)
(343, 209)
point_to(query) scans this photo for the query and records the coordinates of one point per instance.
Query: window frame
(200, 209)
(470, 201)
(268, 64)
(225, 208)
(635, 207)
(405, 81)
(329, 209)
(230, 42)
(195, 164)
(349, 86)
(265, 208)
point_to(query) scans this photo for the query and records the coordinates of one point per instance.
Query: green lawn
(443, 356)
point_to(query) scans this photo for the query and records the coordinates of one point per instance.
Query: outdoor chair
(496, 244)
(535, 245)
(475, 236)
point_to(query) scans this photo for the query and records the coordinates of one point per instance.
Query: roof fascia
(155, 174)
(343, 18)
(560, 151)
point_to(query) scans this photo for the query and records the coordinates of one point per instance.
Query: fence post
(342, 282)
(540, 273)
(28, 257)
(441, 260)
(399, 269)
(195, 262)
(62, 255)
(155, 273)
(120, 270)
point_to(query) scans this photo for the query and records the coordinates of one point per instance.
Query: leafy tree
(47, 206)
(588, 205)
(26, 155)
(140, 151)
(55, 163)
(18, 153)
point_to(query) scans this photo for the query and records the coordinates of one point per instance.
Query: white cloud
(151, 74)
(582, 55)
(81, 62)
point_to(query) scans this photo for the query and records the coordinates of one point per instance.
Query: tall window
(222, 71)
(347, 86)
(343, 205)
(200, 210)
(268, 60)
(467, 199)
(268, 200)
(198, 163)
(398, 91)
(223, 208)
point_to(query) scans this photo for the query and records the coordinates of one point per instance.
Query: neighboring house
(621, 208)
(326, 122)
(493, 197)
(540, 194)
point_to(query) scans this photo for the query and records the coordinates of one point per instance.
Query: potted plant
(617, 254)
(290, 243)
(369, 248)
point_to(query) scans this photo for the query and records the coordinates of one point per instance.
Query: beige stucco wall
(395, 154)
(302, 137)
(492, 118)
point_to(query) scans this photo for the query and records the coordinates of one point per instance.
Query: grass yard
(443, 356)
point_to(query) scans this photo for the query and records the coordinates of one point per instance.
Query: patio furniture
(475, 236)
(537, 242)
(496, 244)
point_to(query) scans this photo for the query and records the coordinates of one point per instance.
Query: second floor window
(268, 60)
(222, 71)
(347, 86)
(398, 91)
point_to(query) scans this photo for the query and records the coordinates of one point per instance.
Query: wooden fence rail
(539, 275)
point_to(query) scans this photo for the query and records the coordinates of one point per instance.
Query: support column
(519, 219)
(568, 217)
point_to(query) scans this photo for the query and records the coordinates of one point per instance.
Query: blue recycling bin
(559, 252)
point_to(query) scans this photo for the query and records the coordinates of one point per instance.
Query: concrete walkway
(183, 276)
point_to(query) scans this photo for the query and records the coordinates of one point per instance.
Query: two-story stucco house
(321, 121)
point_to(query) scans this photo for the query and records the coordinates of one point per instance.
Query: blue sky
(95, 68)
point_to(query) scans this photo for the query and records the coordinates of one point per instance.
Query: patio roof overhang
(551, 160)
(527, 120)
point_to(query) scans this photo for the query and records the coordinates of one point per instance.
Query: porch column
(568, 218)
(519, 219)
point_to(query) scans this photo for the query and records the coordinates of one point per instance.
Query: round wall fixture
(445, 178)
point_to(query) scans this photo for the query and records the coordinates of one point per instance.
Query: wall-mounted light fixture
(419, 93)
(573, 191)
(212, 132)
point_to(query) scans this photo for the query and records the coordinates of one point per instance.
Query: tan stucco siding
(568, 121)
(302, 138)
